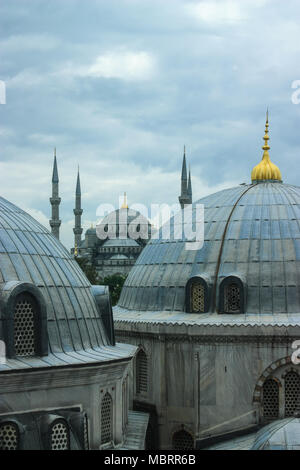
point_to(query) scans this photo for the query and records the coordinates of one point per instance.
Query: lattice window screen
(182, 440)
(292, 392)
(106, 419)
(24, 328)
(59, 436)
(198, 297)
(232, 296)
(8, 437)
(271, 399)
(141, 372)
(86, 433)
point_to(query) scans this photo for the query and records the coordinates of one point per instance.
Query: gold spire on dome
(124, 205)
(266, 170)
(75, 250)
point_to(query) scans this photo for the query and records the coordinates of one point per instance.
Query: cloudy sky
(120, 86)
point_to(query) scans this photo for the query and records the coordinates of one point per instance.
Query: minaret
(77, 212)
(55, 201)
(189, 189)
(184, 197)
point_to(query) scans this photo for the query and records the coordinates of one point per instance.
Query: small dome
(30, 254)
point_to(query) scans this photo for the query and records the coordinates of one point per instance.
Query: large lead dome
(252, 231)
(250, 260)
(75, 314)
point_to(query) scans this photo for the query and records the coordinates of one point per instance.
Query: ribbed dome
(30, 254)
(254, 232)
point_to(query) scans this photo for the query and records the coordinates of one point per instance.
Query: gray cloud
(119, 87)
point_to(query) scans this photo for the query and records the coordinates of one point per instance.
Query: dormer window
(25, 325)
(231, 295)
(197, 295)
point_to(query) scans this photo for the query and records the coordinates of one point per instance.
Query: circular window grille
(24, 327)
(197, 298)
(182, 440)
(8, 437)
(232, 298)
(106, 419)
(141, 372)
(292, 392)
(59, 436)
(271, 399)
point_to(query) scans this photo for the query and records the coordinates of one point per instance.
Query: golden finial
(55, 151)
(75, 250)
(92, 225)
(266, 170)
(124, 205)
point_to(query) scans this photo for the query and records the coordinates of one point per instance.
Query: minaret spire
(78, 213)
(124, 205)
(55, 201)
(189, 189)
(184, 196)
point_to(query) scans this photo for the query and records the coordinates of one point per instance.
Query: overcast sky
(119, 86)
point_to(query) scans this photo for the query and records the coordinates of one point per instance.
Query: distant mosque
(111, 255)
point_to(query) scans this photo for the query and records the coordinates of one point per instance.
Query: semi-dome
(73, 317)
(249, 263)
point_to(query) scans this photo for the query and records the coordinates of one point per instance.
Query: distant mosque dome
(249, 263)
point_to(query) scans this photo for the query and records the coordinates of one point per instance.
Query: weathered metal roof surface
(280, 435)
(203, 319)
(283, 434)
(261, 244)
(136, 431)
(71, 358)
(29, 253)
(120, 242)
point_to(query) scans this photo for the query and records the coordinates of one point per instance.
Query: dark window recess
(106, 419)
(232, 298)
(292, 393)
(197, 297)
(60, 436)
(182, 440)
(141, 372)
(271, 399)
(9, 436)
(25, 325)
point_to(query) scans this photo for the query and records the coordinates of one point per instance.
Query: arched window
(197, 300)
(106, 419)
(271, 399)
(182, 440)
(197, 297)
(25, 325)
(60, 436)
(292, 392)
(232, 298)
(141, 372)
(231, 295)
(9, 436)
